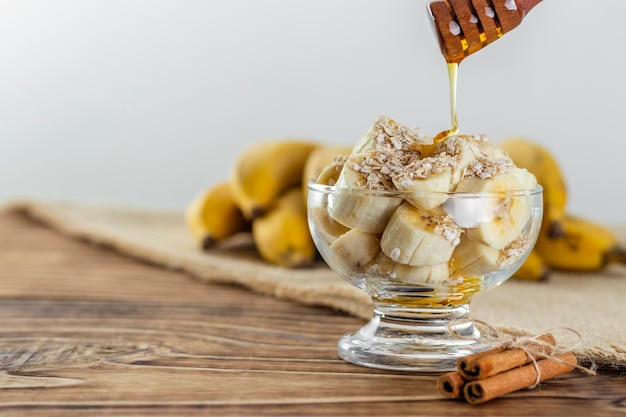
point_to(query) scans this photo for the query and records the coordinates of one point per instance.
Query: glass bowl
(421, 257)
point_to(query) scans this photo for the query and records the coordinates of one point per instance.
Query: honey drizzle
(453, 68)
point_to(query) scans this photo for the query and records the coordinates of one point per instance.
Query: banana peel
(584, 246)
(282, 234)
(213, 216)
(265, 170)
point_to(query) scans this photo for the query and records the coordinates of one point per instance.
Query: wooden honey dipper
(466, 26)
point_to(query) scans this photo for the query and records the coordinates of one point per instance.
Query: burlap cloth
(593, 304)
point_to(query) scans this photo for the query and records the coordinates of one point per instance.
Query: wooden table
(86, 331)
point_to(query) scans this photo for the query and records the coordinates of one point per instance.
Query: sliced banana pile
(419, 237)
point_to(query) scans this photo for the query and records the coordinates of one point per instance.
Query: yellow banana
(584, 246)
(533, 269)
(213, 216)
(540, 162)
(282, 234)
(318, 160)
(265, 170)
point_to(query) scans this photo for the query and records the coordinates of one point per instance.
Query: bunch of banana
(264, 195)
(565, 242)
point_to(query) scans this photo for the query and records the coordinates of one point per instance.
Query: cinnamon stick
(494, 361)
(451, 384)
(483, 390)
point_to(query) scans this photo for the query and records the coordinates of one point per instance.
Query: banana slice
(473, 259)
(462, 151)
(469, 211)
(388, 135)
(371, 170)
(507, 214)
(525, 177)
(326, 228)
(412, 238)
(435, 275)
(487, 147)
(352, 206)
(356, 249)
(428, 180)
(367, 213)
(330, 174)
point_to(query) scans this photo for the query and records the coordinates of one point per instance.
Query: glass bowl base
(411, 345)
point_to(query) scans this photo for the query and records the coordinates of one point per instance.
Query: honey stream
(453, 68)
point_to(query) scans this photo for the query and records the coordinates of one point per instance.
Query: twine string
(532, 345)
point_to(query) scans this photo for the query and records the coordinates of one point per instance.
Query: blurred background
(144, 102)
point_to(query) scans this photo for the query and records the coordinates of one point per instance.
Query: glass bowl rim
(331, 189)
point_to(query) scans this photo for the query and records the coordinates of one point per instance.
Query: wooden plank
(86, 331)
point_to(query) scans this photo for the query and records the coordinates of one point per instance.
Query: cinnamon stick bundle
(482, 365)
(480, 391)
(486, 375)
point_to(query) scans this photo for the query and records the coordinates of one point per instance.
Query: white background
(145, 102)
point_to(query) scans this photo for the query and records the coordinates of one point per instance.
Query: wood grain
(86, 331)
